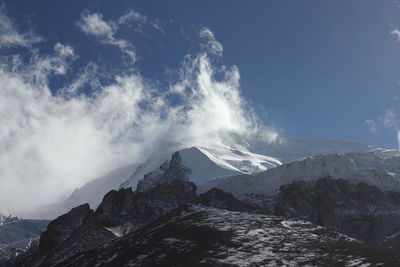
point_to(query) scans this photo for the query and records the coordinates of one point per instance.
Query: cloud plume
(55, 141)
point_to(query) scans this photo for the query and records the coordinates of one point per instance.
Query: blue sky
(326, 69)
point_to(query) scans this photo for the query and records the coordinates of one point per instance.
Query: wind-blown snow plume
(52, 142)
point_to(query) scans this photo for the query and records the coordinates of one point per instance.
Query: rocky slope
(195, 235)
(359, 210)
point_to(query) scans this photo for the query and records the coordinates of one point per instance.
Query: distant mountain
(356, 167)
(18, 235)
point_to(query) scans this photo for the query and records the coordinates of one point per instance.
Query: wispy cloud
(396, 33)
(390, 119)
(93, 24)
(211, 44)
(371, 124)
(52, 143)
(133, 19)
(11, 36)
(158, 26)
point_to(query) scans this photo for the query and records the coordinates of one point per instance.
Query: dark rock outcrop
(61, 228)
(222, 200)
(119, 213)
(138, 208)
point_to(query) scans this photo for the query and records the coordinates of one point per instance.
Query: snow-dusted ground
(202, 236)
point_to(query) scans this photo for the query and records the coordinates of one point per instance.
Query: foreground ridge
(204, 236)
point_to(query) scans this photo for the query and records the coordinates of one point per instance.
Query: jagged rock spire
(170, 170)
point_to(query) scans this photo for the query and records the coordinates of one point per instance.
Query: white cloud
(94, 24)
(86, 78)
(133, 17)
(390, 119)
(10, 35)
(211, 43)
(157, 25)
(51, 144)
(371, 124)
(64, 50)
(396, 33)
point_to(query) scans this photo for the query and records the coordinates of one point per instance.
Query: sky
(89, 85)
(312, 68)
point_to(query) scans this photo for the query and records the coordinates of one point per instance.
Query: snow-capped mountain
(237, 155)
(248, 155)
(357, 167)
(206, 163)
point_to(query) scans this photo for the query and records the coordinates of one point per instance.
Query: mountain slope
(288, 149)
(195, 235)
(358, 167)
(359, 210)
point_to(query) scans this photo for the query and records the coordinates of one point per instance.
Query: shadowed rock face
(137, 208)
(120, 212)
(61, 228)
(361, 211)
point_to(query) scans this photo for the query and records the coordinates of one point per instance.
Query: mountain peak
(168, 171)
(6, 219)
